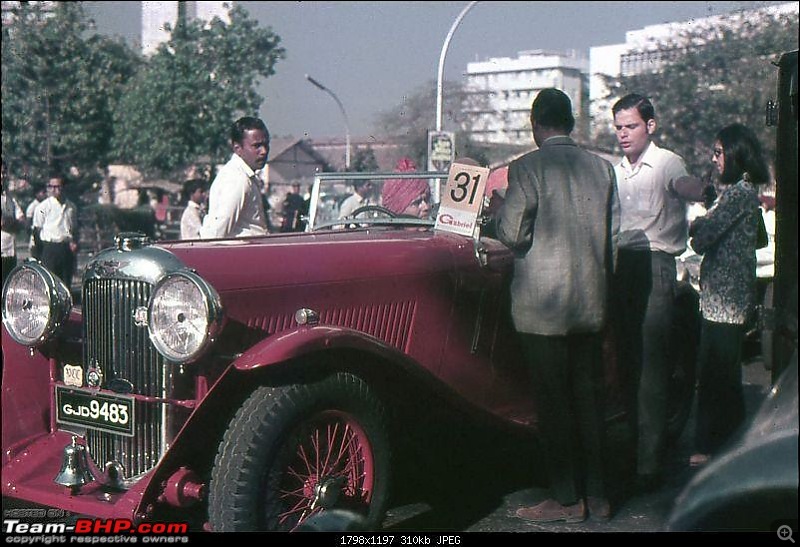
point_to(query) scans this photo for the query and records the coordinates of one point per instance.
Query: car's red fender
(307, 339)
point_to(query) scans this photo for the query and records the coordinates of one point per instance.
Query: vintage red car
(248, 384)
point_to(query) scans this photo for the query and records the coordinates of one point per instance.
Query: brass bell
(75, 471)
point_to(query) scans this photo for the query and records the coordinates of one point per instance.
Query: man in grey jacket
(561, 217)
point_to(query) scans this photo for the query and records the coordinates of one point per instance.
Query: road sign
(441, 150)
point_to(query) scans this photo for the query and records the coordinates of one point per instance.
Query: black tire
(273, 469)
(684, 345)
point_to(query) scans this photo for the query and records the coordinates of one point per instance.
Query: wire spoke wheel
(327, 463)
(294, 452)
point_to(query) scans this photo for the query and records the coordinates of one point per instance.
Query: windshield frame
(320, 178)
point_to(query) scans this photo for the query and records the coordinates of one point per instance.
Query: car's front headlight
(35, 304)
(185, 316)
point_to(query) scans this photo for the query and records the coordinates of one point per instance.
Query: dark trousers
(9, 262)
(720, 400)
(644, 295)
(566, 374)
(59, 259)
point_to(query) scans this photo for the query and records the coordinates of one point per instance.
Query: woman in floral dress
(727, 238)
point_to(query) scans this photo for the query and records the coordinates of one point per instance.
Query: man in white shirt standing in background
(235, 207)
(196, 193)
(13, 219)
(360, 198)
(55, 223)
(39, 197)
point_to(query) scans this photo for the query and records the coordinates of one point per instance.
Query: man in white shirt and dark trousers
(235, 207)
(13, 220)
(55, 224)
(39, 197)
(654, 189)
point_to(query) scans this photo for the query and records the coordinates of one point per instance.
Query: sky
(372, 55)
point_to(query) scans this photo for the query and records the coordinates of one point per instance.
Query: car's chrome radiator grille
(121, 349)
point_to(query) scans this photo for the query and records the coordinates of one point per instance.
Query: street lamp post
(344, 115)
(441, 63)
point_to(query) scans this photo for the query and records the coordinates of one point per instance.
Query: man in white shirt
(235, 207)
(192, 219)
(13, 219)
(654, 189)
(55, 223)
(360, 198)
(39, 196)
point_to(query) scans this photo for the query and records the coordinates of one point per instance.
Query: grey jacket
(561, 217)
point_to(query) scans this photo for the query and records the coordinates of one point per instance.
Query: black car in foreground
(752, 485)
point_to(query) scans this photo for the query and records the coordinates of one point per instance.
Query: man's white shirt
(653, 215)
(8, 239)
(235, 207)
(191, 221)
(55, 220)
(351, 204)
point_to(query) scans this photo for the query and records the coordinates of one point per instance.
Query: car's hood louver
(389, 322)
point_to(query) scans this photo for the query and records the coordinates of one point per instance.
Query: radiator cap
(129, 241)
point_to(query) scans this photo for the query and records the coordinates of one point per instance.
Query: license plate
(95, 410)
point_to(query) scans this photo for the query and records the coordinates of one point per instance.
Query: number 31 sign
(462, 199)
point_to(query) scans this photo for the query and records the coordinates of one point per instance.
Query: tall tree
(180, 106)
(716, 76)
(60, 85)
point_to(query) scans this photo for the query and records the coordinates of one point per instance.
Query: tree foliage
(364, 160)
(410, 122)
(61, 83)
(718, 76)
(180, 106)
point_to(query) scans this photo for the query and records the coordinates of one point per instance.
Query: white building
(504, 89)
(649, 48)
(155, 16)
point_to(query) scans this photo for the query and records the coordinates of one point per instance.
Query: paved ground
(486, 501)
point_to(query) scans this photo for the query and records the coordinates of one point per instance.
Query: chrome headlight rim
(59, 303)
(214, 317)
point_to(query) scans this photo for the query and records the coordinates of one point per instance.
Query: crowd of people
(595, 244)
(595, 248)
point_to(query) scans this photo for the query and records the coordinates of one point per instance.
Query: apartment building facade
(503, 88)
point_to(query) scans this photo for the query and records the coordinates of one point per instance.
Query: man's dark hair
(552, 108)
(57, 174)
(640, 103)
(743, 154)
(191, 186)
(246, 123)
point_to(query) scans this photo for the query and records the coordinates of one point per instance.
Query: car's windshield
(409, 198)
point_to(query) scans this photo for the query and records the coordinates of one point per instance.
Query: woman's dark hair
(742, 155)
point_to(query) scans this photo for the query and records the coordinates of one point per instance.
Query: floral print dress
(726, 237)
